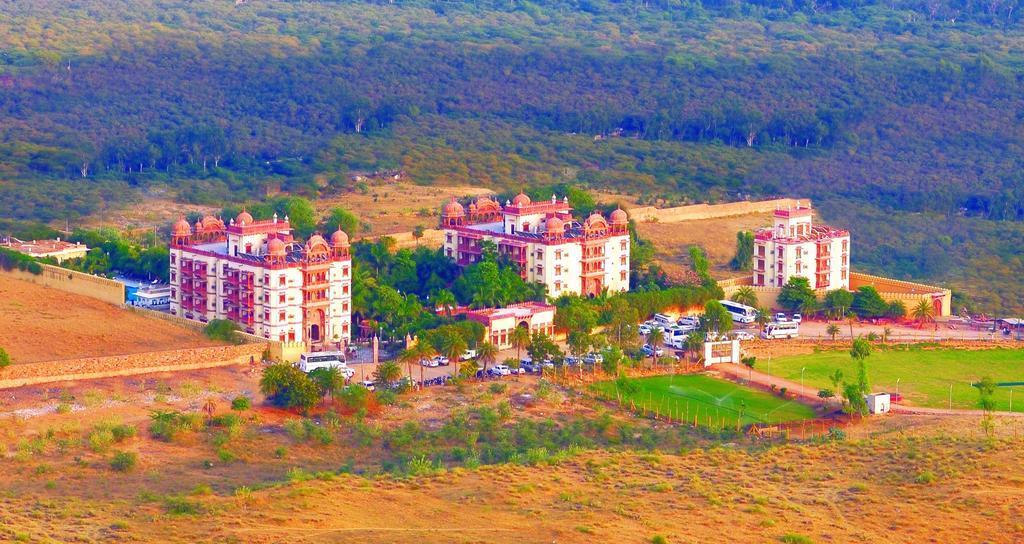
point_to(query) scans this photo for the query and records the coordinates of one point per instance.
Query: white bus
(325, 359)
(785, 329)
(740, 312)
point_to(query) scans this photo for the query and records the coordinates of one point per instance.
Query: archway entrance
(314, 333)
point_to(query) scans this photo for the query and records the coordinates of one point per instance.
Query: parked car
(441, 360)
(644, 329)
(678, 342)
(648, 350)
(743, 335)
(780, 317)
(428, 363)
(895, 397)
(798, 318)
(689, 321)
(467, 355)
(593, 359)
(571, 360)
(499, 370)
(369, 385)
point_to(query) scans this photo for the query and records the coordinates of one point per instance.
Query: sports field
(925, 375)
(712, 401)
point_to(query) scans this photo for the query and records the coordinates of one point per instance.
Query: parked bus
(785, 329)
(740, 313)
(324, 359)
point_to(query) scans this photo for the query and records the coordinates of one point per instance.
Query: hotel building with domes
(543, 238)
(258, 275)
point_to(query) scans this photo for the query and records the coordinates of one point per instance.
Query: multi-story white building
(794, 246)
(256, 274)
(543, 238)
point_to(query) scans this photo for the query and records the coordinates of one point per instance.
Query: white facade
(255, 274)
(547, 243)
(794, 246)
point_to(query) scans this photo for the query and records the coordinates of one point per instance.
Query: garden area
(927, 377)
(714, 403)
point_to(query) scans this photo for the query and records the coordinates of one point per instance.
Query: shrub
(387, 397)
(926, 477)
(241, 403)
(225, 456)
(122, 432)
(123, 461)
(5, 359)
(221, 329)
(658, 539)
(497, 388)
(179, 506)
(100, 439)
(168, 424)
(288, 387)
(793, 538)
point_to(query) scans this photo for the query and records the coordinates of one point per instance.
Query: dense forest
(901, 119)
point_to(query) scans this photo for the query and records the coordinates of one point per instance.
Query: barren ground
(716, 236)
(43, 324)
(895, 479)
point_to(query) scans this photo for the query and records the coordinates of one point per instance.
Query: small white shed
(878, 403)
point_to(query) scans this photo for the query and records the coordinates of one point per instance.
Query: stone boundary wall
(909, 293)
(277, 350)
(102, 289)
(90, 368)
(709, 211)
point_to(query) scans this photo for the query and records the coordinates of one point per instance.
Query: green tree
(327, 379)
(221, 329)
(288, 387)
(923, 312)
(749, 362)
(655, 339)
(387, 374)
(855, 402)
(716, 318)
(542, 348)
(5, 359)
(745, 295)
(520, 339)
(832, 330)
(445, 300)
(579, 343)
(301, 215)
(340, 218)
(694, 344)
(700, 265)
(622, 322)
(836, 378)
(838, 303)
(487, 354)
(868, 303)
(576, 315)
(795, 293)
(896, 310)
(743, 260)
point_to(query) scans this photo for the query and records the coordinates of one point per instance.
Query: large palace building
(256, 274)
(795, 246)
(543, 238)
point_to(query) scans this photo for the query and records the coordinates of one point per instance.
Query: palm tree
(487, 354)
(886, 333)
(654, 339)
(424, 350)
(745, 295)
(520, 338)
(923, 312)
(832, 330)
(764, 317)
(453, 348)
(409, 356)
(694, 341)
(851, 318)
(444, 298)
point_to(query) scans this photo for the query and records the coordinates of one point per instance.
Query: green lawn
(925, 376)
(723, 401)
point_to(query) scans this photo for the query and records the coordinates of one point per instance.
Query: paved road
(810, 394)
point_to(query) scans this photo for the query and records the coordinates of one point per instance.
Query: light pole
(950, 396)
(898, 389)
(802, 379)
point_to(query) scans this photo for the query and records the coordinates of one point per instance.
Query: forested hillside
(901, 119)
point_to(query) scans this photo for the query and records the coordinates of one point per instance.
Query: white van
(664, 319)
(325, 359)
(785, 329)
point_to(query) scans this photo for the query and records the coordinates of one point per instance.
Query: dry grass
(924, 479)
(43, 324)
(716, 236)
